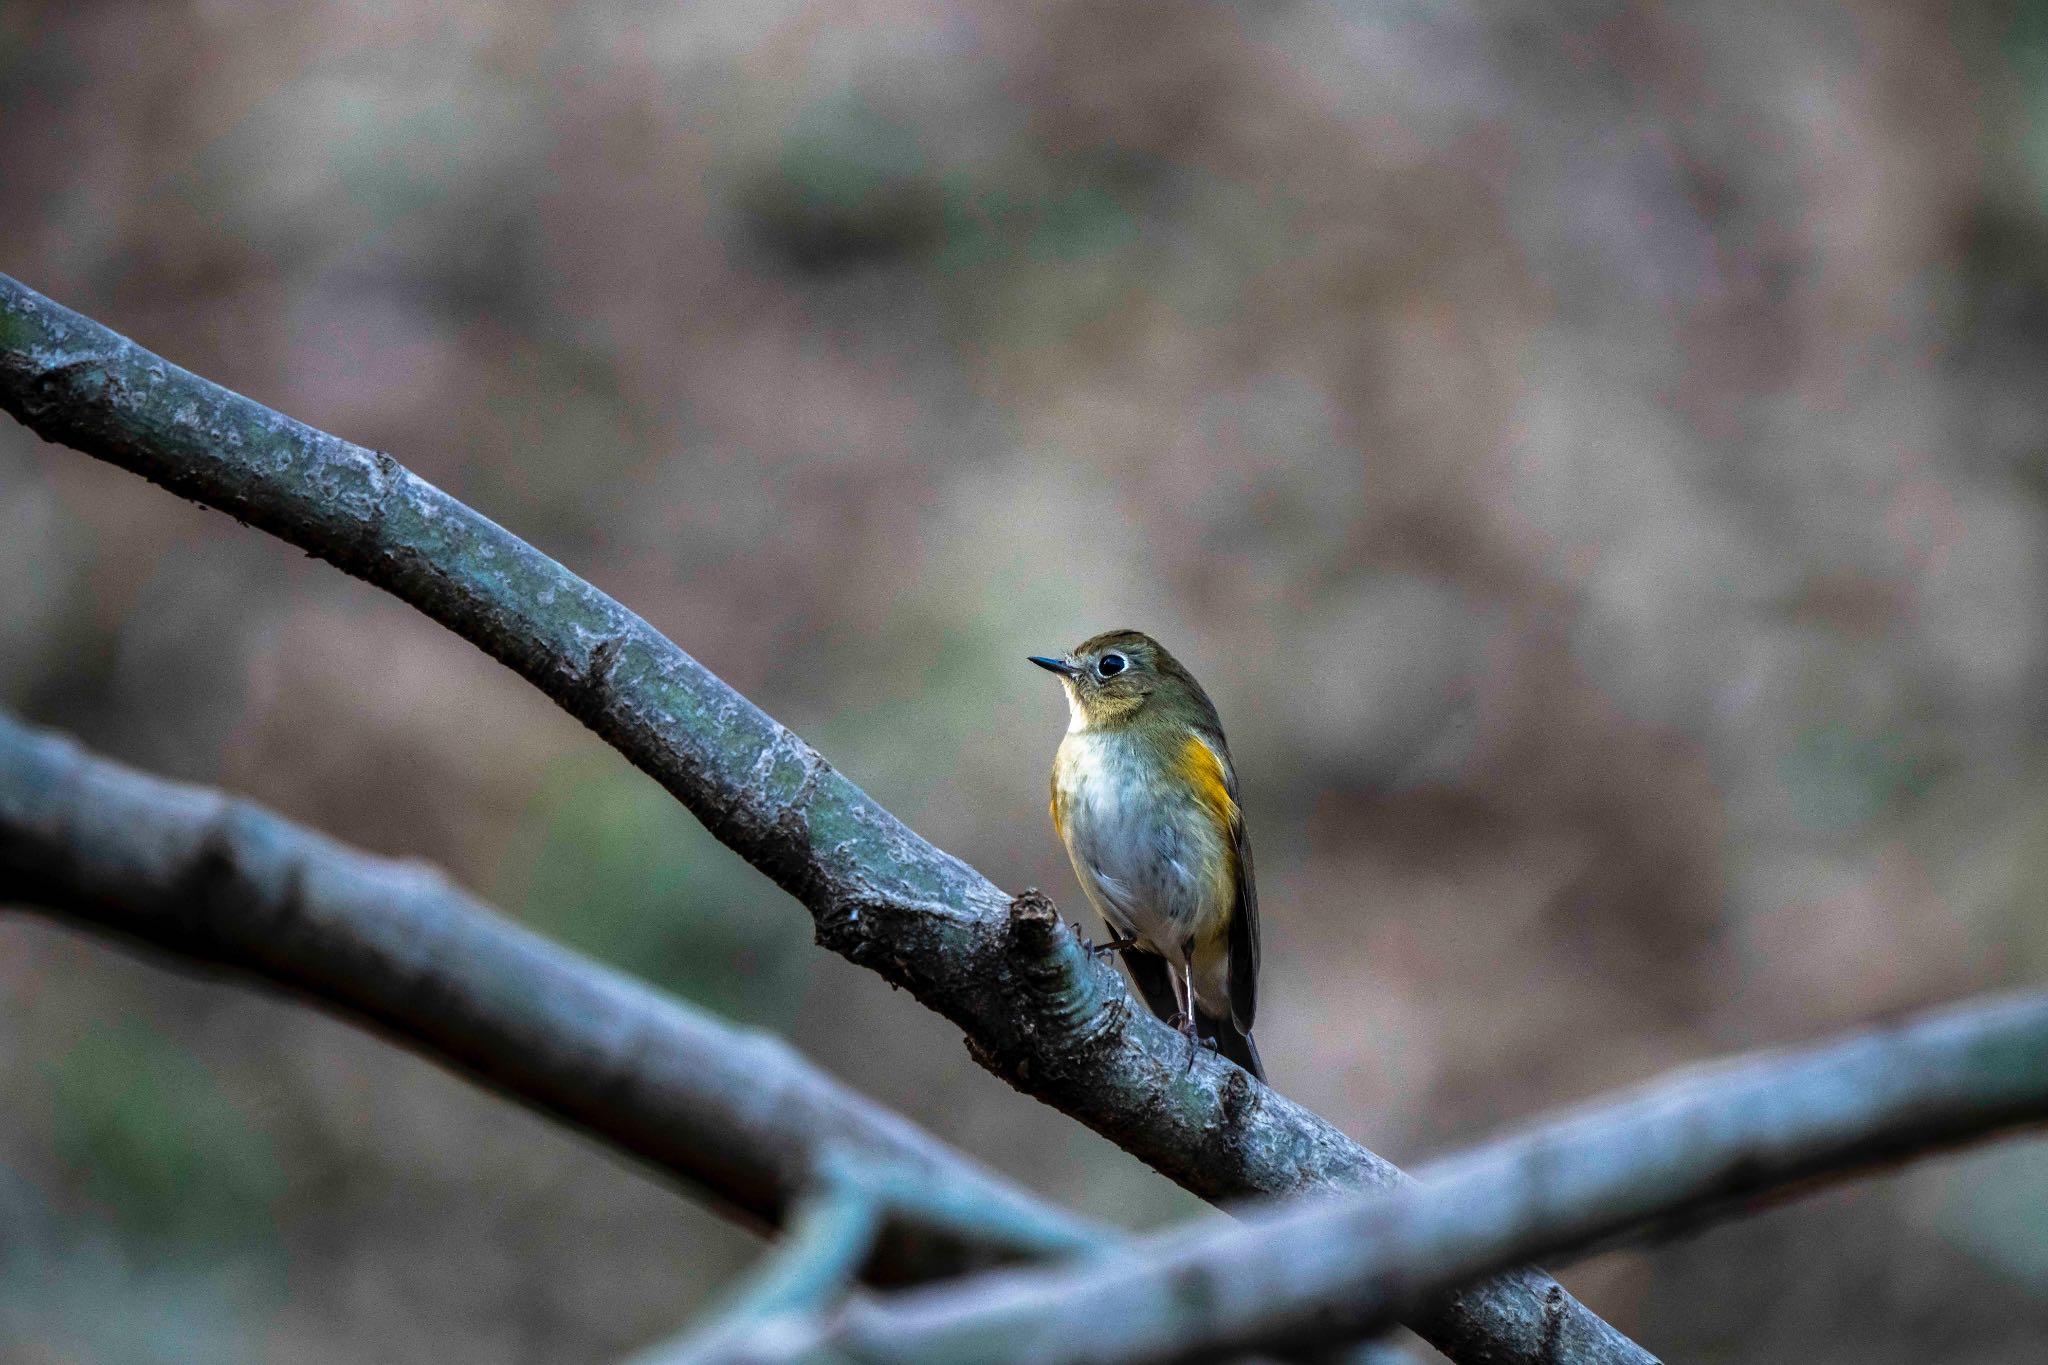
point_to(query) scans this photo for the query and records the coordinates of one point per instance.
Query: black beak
(1059, 666)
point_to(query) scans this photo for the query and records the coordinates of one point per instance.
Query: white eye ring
(1109, 665)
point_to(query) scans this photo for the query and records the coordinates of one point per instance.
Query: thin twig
(813, 1267)
(806, 1273)
(1036, 1008)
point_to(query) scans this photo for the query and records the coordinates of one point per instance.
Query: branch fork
(950, 932)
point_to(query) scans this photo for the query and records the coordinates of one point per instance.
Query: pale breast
(1148, 855)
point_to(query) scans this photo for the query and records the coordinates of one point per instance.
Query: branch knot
(597, 674)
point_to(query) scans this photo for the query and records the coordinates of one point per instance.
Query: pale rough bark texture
(1037, 1010)
(737, 1113)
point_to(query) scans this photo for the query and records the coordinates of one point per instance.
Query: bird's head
(1113, 678)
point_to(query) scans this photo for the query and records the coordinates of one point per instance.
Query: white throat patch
(1076, 722)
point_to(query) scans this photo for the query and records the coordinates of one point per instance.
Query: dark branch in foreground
(1036, 1009)
(735, 1112)
(1706, 1142)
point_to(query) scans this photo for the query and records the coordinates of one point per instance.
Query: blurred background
(1595, 454)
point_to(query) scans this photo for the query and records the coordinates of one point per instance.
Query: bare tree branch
(1036, 1009)
(735, 1112)
(829, 1237)
(806, 1273)
(1703, 1143)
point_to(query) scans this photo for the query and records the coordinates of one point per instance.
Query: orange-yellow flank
(1145, 799)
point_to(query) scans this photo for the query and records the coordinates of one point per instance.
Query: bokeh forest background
(1596, 455)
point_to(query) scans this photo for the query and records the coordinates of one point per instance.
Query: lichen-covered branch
(1036, 1009)
(736, 1112)
(1705, 1142)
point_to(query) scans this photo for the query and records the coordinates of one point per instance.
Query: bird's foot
(1088, 945)
(1184, 1024)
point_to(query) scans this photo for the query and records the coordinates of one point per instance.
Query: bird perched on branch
(1145, 799)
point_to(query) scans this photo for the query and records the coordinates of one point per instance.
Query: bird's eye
(1110, 665)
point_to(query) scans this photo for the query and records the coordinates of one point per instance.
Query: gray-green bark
(828, 1238)
(1036, 1009)
(1706, 1142)
(737, 1113)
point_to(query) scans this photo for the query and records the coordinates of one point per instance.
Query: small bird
(1145, 799)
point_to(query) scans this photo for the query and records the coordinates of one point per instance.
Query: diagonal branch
(735, 1112)
(1703, 1143)
(1036, 1009)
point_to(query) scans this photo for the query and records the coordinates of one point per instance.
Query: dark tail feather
(1149, 973)
(1238, 1047)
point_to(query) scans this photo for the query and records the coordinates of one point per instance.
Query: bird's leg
(1184, 995)
(1183, 1000)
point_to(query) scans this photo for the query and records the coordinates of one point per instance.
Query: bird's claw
(1091, 947)
(1184, 1024)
